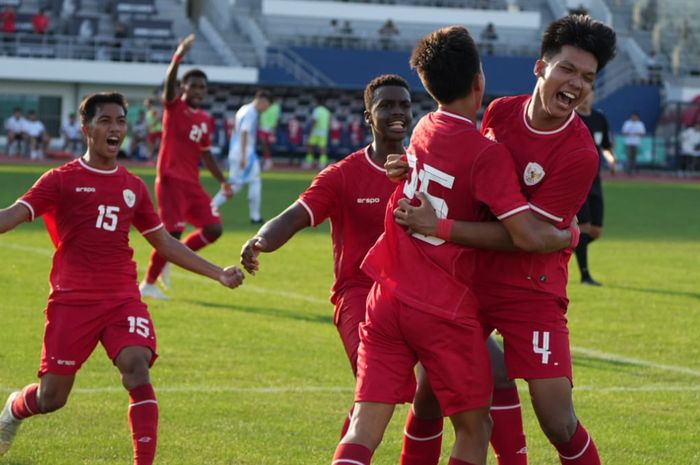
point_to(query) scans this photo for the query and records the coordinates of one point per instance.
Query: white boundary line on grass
(293, 295)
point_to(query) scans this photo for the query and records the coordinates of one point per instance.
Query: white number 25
(419, 180)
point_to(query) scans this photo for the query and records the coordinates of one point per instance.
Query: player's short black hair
(16, 110)
(447, 61)
(382, 81)
(194, 73)
(580, 31)
(88, 107)
(264, 93)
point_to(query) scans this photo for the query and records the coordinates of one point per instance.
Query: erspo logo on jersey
(85, 189)
(368, 200)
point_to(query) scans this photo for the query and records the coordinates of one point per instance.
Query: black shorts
(592, 211)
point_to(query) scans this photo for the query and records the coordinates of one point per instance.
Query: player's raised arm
(522, 231)
(170, 91)
(13, 216)
(174, 251)
(273, 235)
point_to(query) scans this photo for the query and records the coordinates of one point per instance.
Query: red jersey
(88, 213)
(294, 131)
(556, 169)
(353, 193)
(186, 134)
(467, 178)
(336, 132)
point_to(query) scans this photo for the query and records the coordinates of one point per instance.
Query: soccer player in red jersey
(421, 307)
(353, 194)
(187, 132)
(89, 205)
(521, 294)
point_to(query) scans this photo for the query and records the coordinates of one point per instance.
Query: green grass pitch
(257, 376)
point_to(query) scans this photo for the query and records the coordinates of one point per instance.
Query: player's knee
(134, 366)
(595, 232)
(51, 400)
(473, 427)
(559, 430)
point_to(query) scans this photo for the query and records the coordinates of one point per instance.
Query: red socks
(580, 450)
(143, 419)
(195, 240)
(155, 267)
(422, 441)
(352, 454)
(507, 435)
(454, 461)
(26, 404)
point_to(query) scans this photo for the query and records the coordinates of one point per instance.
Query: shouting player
(421, 307)
(89, 205)
(187, 132)
(521, 294)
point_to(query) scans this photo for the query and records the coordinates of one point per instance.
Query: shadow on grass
(692, 295)
(267, 311)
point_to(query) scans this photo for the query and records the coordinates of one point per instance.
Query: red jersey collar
(453, 115)
(540, 132)
(95, 170)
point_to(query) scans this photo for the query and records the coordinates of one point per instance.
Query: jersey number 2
(419, 180)
(107, 218)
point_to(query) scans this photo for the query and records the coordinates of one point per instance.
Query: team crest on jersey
(533, 173)
(129, 197)
(489, 134)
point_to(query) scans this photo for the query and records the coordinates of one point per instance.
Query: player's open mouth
(113, 142)
(397, 125)
(566, 98)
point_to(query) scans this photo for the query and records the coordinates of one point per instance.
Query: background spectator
(139, 134)
(633, 130)
(14, 127)
(267, 130)
(72, 136)
(488, 36)
(690, 149)
(387, 33)
(40, 22)
(154, 118)
(36, 135)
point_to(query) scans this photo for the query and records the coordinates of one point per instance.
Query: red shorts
(535, 335)
(350, 309)
(266, 136)
(181, 202)
(397, 336)
(73, 330)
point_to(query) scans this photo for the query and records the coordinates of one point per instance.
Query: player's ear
(539, 68)
(368, 118)
(85, 128)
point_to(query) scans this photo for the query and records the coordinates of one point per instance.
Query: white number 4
(108, 218)
(541, 349)
(139, 325)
